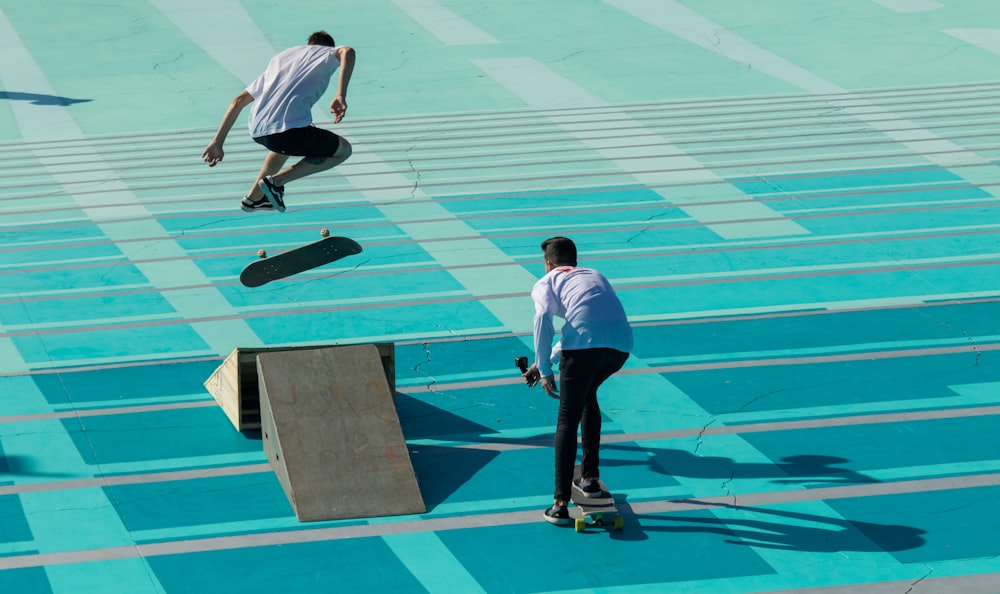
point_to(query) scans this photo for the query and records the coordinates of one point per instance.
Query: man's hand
(338, 108)
(549, 384)
(213, 154)
(533, 376)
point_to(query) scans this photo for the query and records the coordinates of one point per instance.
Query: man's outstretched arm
(213, 153)
(339, 105)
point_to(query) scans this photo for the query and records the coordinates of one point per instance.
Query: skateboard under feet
(596, 511)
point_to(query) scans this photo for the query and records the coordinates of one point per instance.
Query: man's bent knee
(344, 150)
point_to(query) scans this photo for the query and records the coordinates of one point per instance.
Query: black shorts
(302, 142)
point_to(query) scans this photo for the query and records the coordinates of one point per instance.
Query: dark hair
(561, 251)
(321, 38)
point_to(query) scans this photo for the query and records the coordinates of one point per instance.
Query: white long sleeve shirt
(594, 316)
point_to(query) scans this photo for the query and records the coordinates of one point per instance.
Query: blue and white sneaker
(274, 194)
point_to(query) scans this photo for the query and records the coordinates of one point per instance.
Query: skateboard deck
(597, 511)
(300, 259)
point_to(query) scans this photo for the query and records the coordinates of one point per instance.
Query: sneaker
(591, 488)
(558, 515)
(274, 194)
(249, 206)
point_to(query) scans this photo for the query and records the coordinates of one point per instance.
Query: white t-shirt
(594, 316)
(293, 82)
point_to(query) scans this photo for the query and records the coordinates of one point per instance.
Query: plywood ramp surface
(332, 434)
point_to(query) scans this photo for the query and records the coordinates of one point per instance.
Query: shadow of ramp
(441, 471)
(421, 420)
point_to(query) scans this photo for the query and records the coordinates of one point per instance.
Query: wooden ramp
(235, 384)
(332, 434)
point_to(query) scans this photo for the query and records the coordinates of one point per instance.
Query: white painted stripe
(238, 44)
(926, 583)
(408, 525)
(931, 470)
(224, 464)
(831, 350)
(987, 39)
(976, 399)
(227, 22)
(50, 452)
(18, 70)
(432, 563)
(972, 348)
(765, 425)
(515, 313)
(905, 6)
(215, 529)
(674, 18)
(49, 447)
(261, 467)
(981, 404)
(448, 27)
(959, 576)
(974, 395)
(543, 89)
(13, 363)
(88, 510)
(10, 46)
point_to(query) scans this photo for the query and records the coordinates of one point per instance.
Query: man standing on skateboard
(281, 118)
(596, 340)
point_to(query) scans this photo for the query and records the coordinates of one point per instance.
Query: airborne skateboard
(318, 253)
(597, 511)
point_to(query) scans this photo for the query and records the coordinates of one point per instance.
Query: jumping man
(281, 118)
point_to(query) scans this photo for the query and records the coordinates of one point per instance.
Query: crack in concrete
(930, 570)
(729, 492)
(156, 67)
(971, 339)
(756, 398)
(698, 440)
(416, 182)
(975, 347)
(427, 359)
(640, 232)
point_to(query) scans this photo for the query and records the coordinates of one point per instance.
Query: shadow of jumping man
(40, 99)
(801, 532)
(802, 469)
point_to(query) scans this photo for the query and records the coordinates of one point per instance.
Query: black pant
(581, 373)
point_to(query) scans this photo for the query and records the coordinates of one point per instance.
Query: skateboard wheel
(324, 232)
(580, 525)
(261, 254)
(619, 523)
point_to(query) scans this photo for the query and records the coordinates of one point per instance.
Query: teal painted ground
(797, 205)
